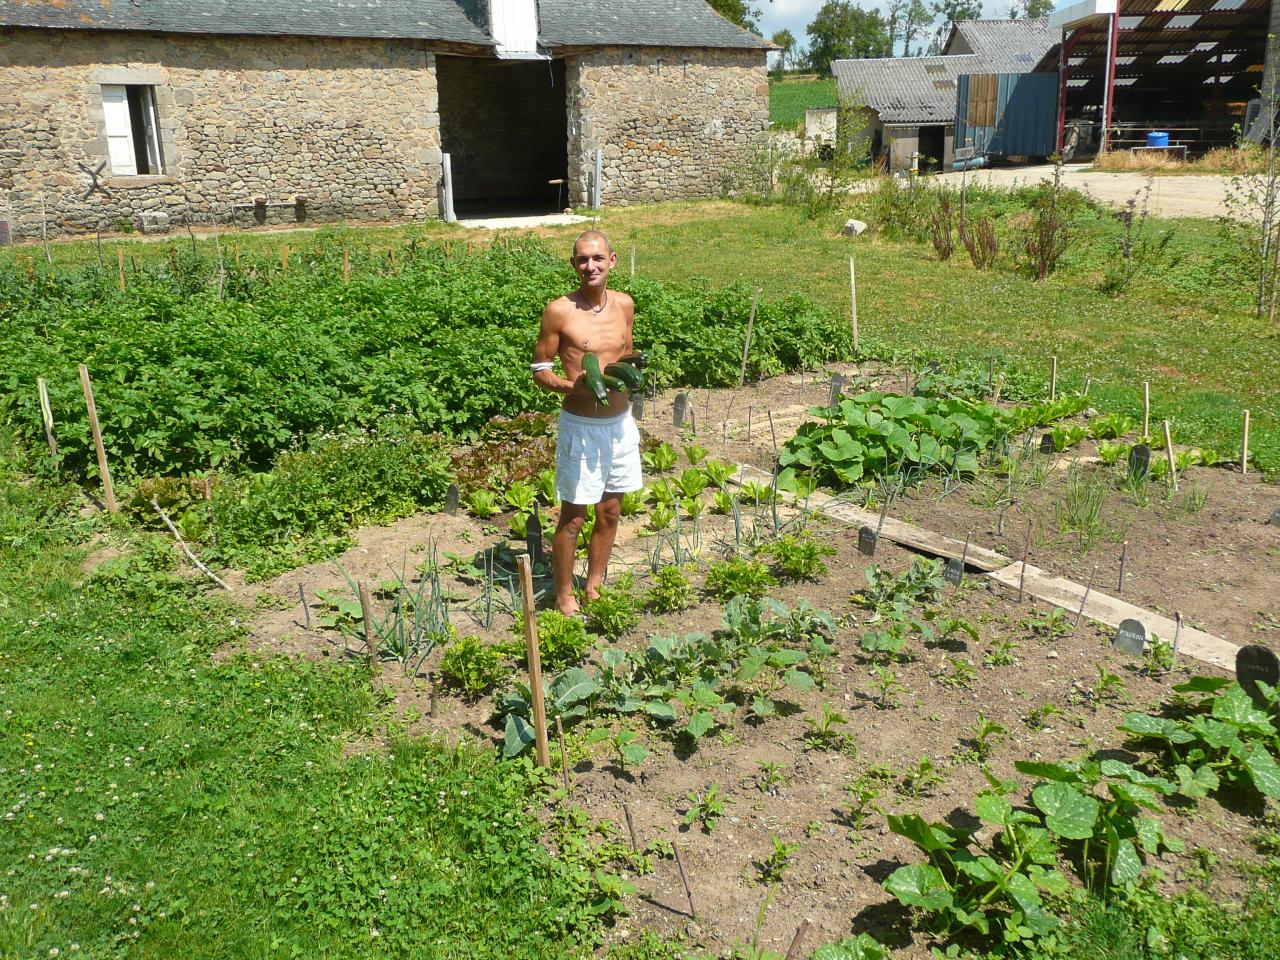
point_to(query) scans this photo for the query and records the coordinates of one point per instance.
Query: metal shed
(1007, 114)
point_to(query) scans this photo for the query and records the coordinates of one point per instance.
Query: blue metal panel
(1007, 114)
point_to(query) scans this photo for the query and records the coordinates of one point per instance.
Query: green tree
(737, 11)
(914, 18)
(1030, 9)
(785, 41)
(842, 30)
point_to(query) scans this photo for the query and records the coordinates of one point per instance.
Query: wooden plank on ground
(1110, 611)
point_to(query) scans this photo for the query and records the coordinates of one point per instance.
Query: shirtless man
(598, 449)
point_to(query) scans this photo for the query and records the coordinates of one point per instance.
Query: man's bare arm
(546, 351)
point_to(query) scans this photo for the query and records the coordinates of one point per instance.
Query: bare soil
(1216, 564)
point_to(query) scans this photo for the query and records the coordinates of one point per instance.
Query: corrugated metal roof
(923, 89)
(906, 89)
(644, 23)
(1008, 46)
(402, 19)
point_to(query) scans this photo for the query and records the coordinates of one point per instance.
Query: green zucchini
(628, 374)
(639, 359)
(613, 383)
(595, 378)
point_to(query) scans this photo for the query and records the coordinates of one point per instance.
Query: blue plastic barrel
(1157, 138)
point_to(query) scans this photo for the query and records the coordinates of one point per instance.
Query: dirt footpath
(1171, 196)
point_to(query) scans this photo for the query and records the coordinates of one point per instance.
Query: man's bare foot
(568, 607)
(591, 592)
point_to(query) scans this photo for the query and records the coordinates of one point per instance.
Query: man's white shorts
(595, 456)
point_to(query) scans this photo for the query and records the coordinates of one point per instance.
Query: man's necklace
(604, 303)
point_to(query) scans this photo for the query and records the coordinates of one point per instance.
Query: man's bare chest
(605, 333)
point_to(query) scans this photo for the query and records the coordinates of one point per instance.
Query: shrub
(613, 612)
(799, 557)
(671, 591)
(562, 641)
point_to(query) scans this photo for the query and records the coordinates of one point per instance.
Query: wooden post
(346, 265)
(120, 266)
(1053, 379)
(793, 952)
(1087, 590)
(746, 345)
(1244, 446)
(284, 258)
(631, 827)
(684, 878)
(306, 607)
(1146, 409)
(1168, 449)
(564, 757)
(853, 304)
(46, 413)
(366, 614)
(1026, 555)
(633, 259)
(750, 410)
(535, 661)
(773, 434)
(1124, 562)
(108, 490)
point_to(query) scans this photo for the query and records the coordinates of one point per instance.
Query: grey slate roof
(906, 90)
(912, 90)
(401, 19)
(1008, 46)
(643, 23)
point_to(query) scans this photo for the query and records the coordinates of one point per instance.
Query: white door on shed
(119, 129)
(515, 26)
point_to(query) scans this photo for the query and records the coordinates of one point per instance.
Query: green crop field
(789, 99)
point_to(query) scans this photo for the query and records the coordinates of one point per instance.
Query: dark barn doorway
(932, 146)
(505, 127)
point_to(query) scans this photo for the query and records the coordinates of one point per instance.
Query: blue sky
(794, 15)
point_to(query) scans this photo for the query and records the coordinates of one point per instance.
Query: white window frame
(118, 119)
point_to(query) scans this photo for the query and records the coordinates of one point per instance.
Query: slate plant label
(681, 404)
(533, 538)
(1257, 663)
(1140, 460)
(1046, 443)
(867, 541)
(1131, 638)
(451, 497)
(637, 406)
(953, 572)
(837, 388)
(1275, 519)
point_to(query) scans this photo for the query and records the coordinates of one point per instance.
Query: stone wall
(673, 123)
(351, 125)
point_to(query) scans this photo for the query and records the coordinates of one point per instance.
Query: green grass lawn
(789, 99)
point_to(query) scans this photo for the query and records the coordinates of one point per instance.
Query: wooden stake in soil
(1088, 381)
(1085, 601)
(1146, 410)
(684, 878)
(631, 827)
(793, 952)
(773, 434)
(991, 377)
(1124, 560)
(746, 346)
(46, 413)
(306, 607)
(1168, 449)
(750, 411)
(1026, 555)
(366, 614)
(633, 259)
(346, 265)
(120, 266)
(853, 303)
(284, 258)
(564, 756)
(535, 660)
(1177, 635)
(1053, 379)
(1244, 446)
(108, 490)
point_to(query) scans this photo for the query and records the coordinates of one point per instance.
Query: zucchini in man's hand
(632, 378)
(595, 378)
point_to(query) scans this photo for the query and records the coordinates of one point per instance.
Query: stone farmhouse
(153, 113)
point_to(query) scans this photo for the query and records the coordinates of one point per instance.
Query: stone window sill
(143, 180)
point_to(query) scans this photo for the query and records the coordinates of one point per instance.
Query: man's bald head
(596, 235)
